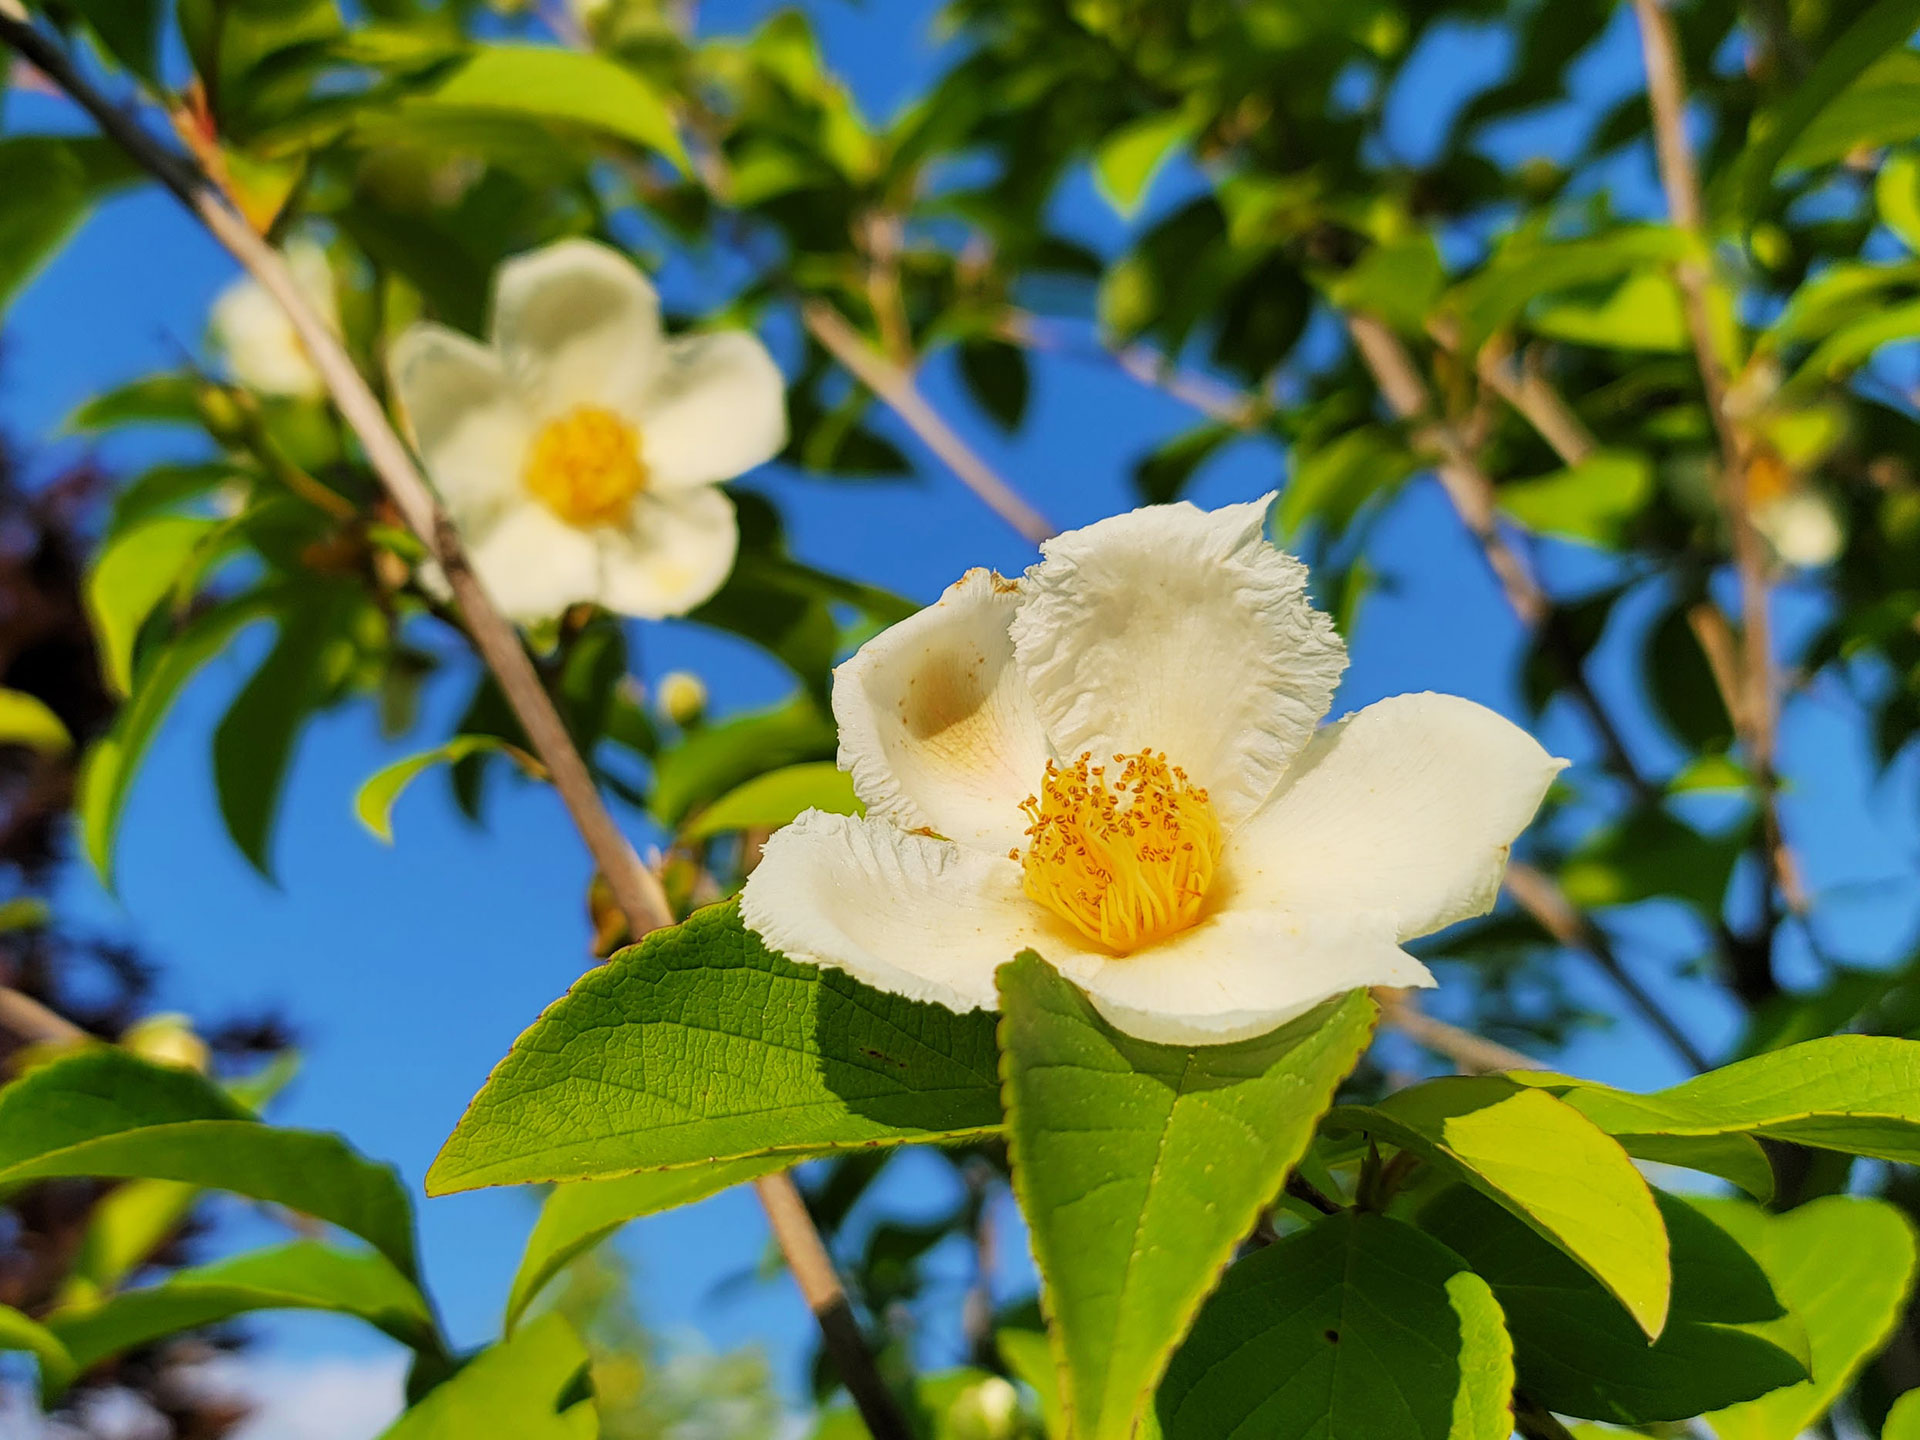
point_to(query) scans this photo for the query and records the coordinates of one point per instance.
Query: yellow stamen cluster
(1125, 862)
(585, 467)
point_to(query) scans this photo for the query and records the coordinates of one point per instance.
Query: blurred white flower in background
(1113, 761)
(255, 339)
(580, 452)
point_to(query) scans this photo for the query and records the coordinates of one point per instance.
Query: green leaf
(1127, 160)
(1397, 283)
(1903, 1420)
(1896, 194)
(1546, 1163)
(719, 758)
(47, 185)
(1727, 1339)
(101, 1112)
(373, 803)
(1651, 854)
(1140, 1167)
(1163, 475)
(1594, 501)
(1843, 1265)
(107, 775)
(1859, 1094)
(1642, 312)
(129, 1223)
(551, 86)
(1030, 1358)
(1529, 267)
(300, 1275)
(700, 1045)
(130, 31)
(1735, 1158)
(578, 1216)
(769, 801)
(130, 579)
(19, 1332)
(164, 399)
(527, 1386)
(1329, 483)
(1358, 1328)
(1780, 135)
(26, 720)
(996, 375)
(253, 745)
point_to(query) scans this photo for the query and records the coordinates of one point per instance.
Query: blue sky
(409, 971)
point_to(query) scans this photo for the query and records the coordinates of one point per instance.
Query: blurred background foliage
(1586, 376)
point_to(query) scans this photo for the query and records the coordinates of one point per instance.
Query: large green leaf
(771, 800)
(106, 778)
(579, 1215)
(1359, 1328)
(1140, 1167)
(1594, 500)
(103, 1112)
(129, 30)
(128, 1224)
(300, 1275)
(1728, 1337)
(1548, 1164)
(47, 185)
(1843, 1264)
(1855, 1093)
(700, 1045)
(21, 1332)
(549, 85)
(1129, 158)
(528, 1386)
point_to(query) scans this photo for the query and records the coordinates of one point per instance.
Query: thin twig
(1757, 705)
(1470, 489)
(1529, 392)
(1536, 893)
(1472, 1054)
(813, 1271)
(1535, 1422)
(895, 386)
(636, 889)
(27, 1018)
(1218, 401)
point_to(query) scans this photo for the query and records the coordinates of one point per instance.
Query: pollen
(1126, 860)
(585, 467)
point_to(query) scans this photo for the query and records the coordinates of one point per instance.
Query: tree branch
(1536, 893)
(1756, 707)
(1219, 402)
(1472, 1054)
(636, 889)
(33, 1022)
(895, 386)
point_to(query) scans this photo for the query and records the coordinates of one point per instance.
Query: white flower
(1802, 527)
(258, 341)
(1113, 761)
(580, 453)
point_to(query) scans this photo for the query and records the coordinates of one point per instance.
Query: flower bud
(681, 697)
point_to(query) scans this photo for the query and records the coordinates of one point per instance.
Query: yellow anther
(585, 467)
(1125, 862)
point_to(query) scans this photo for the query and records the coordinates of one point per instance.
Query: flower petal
(467, 422)
(1407, 806)
(1241, 973)
(1179, 630)
(936, 725)
(534, 564)
(674, 552)
(577, 324)
(905, 913)
(717, 410)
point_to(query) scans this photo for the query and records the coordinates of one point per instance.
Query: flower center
(586, 467)
(1128, 862)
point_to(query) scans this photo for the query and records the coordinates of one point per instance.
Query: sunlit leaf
(769, 801)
